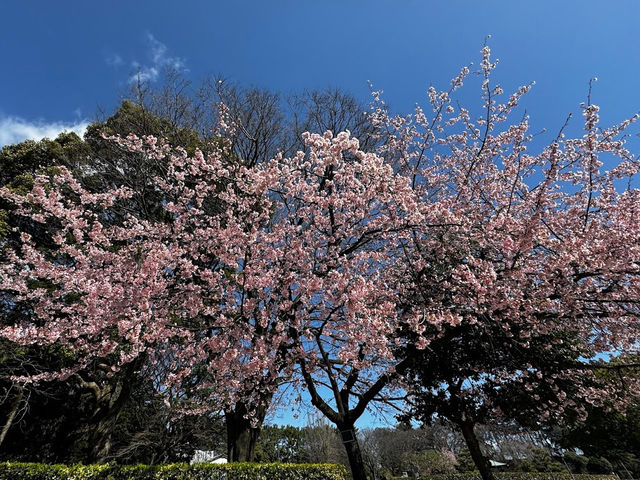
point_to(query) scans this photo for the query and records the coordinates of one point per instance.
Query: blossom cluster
(333, 259)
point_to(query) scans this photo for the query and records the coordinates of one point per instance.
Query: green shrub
(233, 471)
(599, 465)
(522, 465)
(522, 476)
(576, 463)
(465, 462)
(627, 465)
(540, 462)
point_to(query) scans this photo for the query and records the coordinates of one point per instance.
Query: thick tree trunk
(100, 440)
(110, 401)
(354, 454)
(484, 467)
(242, 437)
(12, 415)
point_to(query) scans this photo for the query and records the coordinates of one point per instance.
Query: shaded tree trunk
(242, 437)
(109, 402)
(352, 447)
(468, 432)
(100, 439)
(12, 414)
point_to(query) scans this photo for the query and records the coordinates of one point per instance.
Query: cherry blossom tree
(532, 282)
(119, 291)
(515, 271)
(328, 266)
(234, 280)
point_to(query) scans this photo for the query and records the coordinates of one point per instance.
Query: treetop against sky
(64, 62)
(61, 63)
(261, 270)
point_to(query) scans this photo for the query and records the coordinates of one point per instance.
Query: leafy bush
(522, 476)
(576, 463)
(465, 462)
(544, 462)
(522, 465)
(599, 465)
(281, 444)
(233, 471)
(627, 465)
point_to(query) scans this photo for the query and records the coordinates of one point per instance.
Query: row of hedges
(233, 471)
(522, 476)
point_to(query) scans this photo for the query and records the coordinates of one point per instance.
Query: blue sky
(63, 60)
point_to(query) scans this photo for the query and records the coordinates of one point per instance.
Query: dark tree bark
(109, 402)
(468, 432)
(242, 436)
(352, 447)
(100, 439)
(12, 414)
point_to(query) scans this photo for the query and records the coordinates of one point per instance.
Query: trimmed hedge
(521, 476)
(232, 471)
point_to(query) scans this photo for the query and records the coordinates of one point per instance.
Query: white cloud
(159, 60)
(144, 73)
(16, 129)
(114, 60)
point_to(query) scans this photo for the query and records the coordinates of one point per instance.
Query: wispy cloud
(16, 129)
(160, 59)
(114, 60)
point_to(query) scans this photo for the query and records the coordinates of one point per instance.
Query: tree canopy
(440, 257)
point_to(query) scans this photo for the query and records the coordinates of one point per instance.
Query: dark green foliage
(20, 162)
(522, 465)
(576, 463)
(114, 166)
(627, 465)
(541, 461)
(51, 427)
(610, 435)
(133, 118)
(281, 444)
(59, 422)
(606, 433)
(515, 476)
(599, 465)
(4, 225)
(235, 471)
(544, 462)
(29, 157)
(465, 462)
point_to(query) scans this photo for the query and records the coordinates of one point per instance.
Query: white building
(207, 456)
